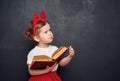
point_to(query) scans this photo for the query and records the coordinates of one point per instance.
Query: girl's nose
(50, 33)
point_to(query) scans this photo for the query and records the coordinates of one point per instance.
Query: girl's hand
(50, 68)
(71, 51)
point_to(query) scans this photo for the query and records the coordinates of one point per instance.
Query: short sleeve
(29, 58)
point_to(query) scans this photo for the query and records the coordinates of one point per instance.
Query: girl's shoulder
(37, 49)
(53, 46)
(33, 50)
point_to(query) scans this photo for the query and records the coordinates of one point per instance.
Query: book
(42, 61)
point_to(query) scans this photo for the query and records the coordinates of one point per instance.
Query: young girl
(40, 31)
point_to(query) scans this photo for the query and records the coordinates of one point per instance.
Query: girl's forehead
(46, 27)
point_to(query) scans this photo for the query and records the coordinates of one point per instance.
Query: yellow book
(42, 61)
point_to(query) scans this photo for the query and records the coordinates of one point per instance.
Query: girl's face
(45, 36)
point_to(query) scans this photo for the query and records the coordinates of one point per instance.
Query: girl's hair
(30, 31)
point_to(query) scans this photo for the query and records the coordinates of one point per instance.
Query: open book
(42, 61)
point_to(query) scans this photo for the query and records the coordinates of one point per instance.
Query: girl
(40, 31)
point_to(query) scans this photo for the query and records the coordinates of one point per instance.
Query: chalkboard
(90, 26)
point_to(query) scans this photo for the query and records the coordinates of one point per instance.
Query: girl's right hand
(50, 68)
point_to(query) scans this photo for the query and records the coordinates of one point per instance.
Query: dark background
(90, 26)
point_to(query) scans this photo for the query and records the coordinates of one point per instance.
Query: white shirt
(41, 51)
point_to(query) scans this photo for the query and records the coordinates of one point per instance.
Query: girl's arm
(67, 59)
(40, 72)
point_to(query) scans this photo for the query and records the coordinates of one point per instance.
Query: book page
(59, 52)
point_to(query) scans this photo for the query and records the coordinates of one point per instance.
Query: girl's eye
(45, 31)
(50, 30)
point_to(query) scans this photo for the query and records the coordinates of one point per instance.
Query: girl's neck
(43, 45)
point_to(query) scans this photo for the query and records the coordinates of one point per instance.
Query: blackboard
(90, 26)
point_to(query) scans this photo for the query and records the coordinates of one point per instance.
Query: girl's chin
(50, 41)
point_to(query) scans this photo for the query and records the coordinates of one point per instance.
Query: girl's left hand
(71, 51)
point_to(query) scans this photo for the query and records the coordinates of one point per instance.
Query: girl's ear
(36, 38)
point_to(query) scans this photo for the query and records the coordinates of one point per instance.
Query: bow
(36, 19)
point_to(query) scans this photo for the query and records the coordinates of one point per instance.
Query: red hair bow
(36, 19)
